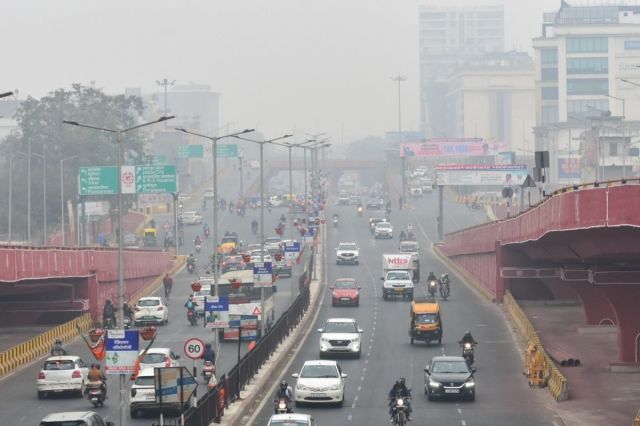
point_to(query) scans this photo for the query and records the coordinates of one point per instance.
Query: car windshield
(148, 302)
(409, 247)
(272, 240)
(65, 423)
(397, 275)
(450, 367)
(319, 371)
(59, 365)
(153, 359)
(384, 225)
(229, 240)
(340, 327)
(145, 381)
(345, 284)
(425, 318)
(289, 423)
(348, 247)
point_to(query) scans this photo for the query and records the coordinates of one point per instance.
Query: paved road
(19, 404)
(503, 397)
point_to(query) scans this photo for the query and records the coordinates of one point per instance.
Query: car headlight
(470, 383)
(356, 340)
(324, 340)
(300, 387)
(335, 387)
(434, 384)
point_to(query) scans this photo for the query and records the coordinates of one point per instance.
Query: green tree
(40, 122)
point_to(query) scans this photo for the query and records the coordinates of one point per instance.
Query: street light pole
(64, 235)
(44, 190)
(10, 192)
(165, 82)
(262, 203)
(121, 290)
(29, 190)
(399, 79)
(240, 161)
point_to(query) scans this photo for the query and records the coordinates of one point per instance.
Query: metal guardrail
(636, 421)
(556, 381)
(40, 345)
(211, 406)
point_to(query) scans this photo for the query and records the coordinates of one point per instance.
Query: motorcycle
(127, 322)
(444, 290)
(208, 370)
(191, 268)
(198, 248)
(400, 416)
(335, 222)
(95, 393)
(468, 353)
(109, 323)
(192, 317)
(433, 287)
(282, 406)
(206, 232)
(360, 211)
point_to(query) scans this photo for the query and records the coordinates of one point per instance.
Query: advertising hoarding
(481, 174)
(569, 168)
(451, 147)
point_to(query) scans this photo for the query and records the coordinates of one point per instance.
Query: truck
(413, 248)
(397, 276)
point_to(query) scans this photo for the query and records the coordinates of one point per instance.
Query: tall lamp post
(44, 190)
(262, 143)
(64, 234)
(400, 79)
(166, 83)
(4, 95)
(119, 140)
(214, 153)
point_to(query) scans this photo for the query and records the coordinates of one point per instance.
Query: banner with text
(481, 174)
(451, 147)
(569, 168)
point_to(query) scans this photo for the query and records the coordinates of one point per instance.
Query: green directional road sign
(191, 151)
(160, 159)
(155, 179)
(227, 150)
(98, 180)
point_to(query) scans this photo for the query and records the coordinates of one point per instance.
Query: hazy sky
(280, 65)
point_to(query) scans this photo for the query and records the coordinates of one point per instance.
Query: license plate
(345, 299)
(452, 391)
(399, 290)
(318, 395)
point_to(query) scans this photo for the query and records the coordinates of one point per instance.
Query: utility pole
(399, 79)
(166, 83)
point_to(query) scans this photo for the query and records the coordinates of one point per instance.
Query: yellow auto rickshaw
(150, 237)
(425, 321)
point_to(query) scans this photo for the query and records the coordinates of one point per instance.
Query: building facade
(493, 97)
(449, 36)
(587, 87)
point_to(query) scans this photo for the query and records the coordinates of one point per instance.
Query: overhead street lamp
(5, 94)
(119, 140)
(215, 140)
(262, 256)
(165, 82)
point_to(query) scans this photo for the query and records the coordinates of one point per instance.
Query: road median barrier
(40, 345)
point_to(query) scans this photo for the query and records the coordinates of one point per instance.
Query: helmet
(401, 381)
(58, 341)
(207, 346)
(283, 385)
(108, 302)
(467, 333)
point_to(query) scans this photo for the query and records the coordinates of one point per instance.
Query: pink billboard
(451, 147)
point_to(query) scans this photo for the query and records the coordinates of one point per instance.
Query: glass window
(549, 74)
(340, 327)
(549, 93)
(587, 44)
(613, 149)
(549, 114)
(587, 65)
(586, 107)
(549, 56)
(632, 44)
(588, 86)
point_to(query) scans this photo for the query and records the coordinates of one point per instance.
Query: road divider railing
(40, 345)
(536, 358)
(210, 407)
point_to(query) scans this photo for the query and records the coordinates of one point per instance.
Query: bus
(244, 299)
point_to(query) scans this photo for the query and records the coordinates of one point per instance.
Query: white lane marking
(349, 417)
(359, 388)
(353, 405)
(554, 423)
(463, 423)
(355, 398)
(459, 411)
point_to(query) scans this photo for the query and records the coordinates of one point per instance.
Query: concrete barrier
(40, 345)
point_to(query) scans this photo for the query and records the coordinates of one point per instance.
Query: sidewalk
(596, 396)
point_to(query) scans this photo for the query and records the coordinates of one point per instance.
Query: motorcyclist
(198, 240)
(403, 236)
(191, 304)
(205, 229)
(399, 389)
(431, 277)
(191, 260)
(284, 392)
(254, 226)
(467, 338)
(95, 375)
(57, 349)
(209, 354)
(109, 312)
(444, 281)
(127, 310)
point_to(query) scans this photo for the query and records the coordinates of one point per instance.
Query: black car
(449, 376)
(375, 203)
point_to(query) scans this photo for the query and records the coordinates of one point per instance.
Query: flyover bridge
(44, 285)
(583, 240)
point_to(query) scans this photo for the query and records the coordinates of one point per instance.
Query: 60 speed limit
(194, 348)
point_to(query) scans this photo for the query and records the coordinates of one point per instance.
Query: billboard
(451, 147)
(569, 168)
(481, 174)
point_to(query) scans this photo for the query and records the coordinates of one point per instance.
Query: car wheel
(41, 395)
(439, 342)
(341, 403)
(429, 396)
(297, 403)
(166, 320)
(472, 397)
(358, 303)
(133, 413)
(358, 354)
(412, 340)
(333, 303)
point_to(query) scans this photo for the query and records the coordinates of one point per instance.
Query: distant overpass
(582, 240)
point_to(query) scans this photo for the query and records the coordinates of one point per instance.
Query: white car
(415, 191)
(319, 382)
(66, 373)
(143, 395)
(258, 256)
(75, 418)
(191, 218)
(150, 310)
(272, 243)
(383, 230)
(159, 357)
(292, 419)
(340, 336)
(347, 253)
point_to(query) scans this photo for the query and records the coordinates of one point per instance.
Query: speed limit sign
(194, 348)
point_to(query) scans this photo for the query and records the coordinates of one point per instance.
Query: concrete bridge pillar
(596, 304)
(624, 300)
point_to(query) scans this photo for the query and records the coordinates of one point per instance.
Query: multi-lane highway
(503, 397)
(19, 403)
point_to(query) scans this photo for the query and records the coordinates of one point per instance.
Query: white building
(448, 36)
(587, 86)
(493, 97)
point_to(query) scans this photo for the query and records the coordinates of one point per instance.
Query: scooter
(192, 317)
(335, 222)
(433, 287)
(282, 406)
(95, 393)
(191, 268)
(468, 353)
(198, 248)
